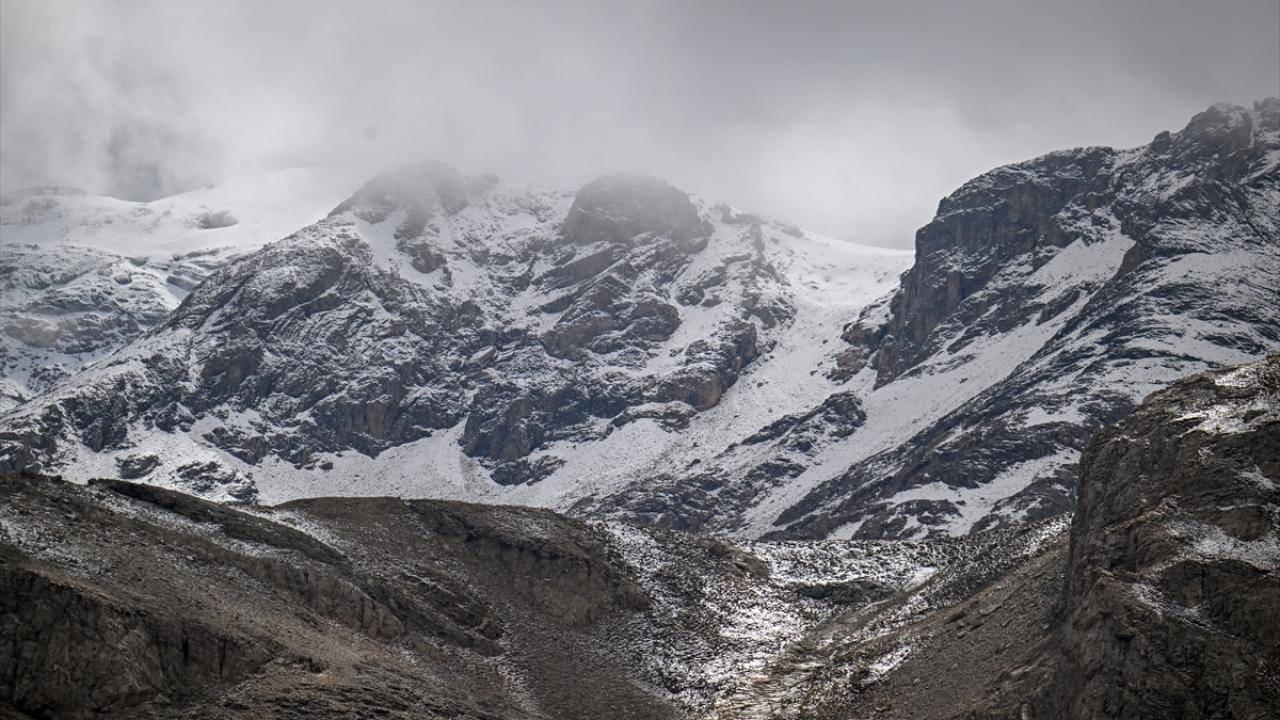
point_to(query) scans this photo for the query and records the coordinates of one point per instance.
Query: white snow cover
(241, 214)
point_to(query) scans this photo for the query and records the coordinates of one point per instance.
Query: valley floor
(130, 601)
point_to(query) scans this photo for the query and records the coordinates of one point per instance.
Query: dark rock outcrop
(1022, 210)
(838, 416)
(617, 208)
(991, 221)
(1174, 572)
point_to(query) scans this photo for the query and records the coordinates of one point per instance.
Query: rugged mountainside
(1162, 603)
(1175, 557)
(131, 601)
(1047, 298)
(635, 353)
(494, 334)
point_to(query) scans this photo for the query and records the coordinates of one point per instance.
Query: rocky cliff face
(1174, 571)
(1158, 603)
(1219, 168)
(64, 306)
(82, 275)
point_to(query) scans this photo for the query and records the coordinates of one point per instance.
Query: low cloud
(852, 121)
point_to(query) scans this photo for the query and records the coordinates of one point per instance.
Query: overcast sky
(849, 118)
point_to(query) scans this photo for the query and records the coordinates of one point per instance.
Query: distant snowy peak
(82, 274)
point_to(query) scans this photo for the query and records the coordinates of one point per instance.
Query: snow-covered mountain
(629, 351)
(443, 335)
(81, 275)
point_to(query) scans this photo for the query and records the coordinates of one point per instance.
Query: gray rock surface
(1156, 601)
(1175, 557)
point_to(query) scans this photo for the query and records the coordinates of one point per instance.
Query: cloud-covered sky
(849, 118)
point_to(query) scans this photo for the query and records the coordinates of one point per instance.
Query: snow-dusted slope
(241, 214)
(81, 275)
(446, 336)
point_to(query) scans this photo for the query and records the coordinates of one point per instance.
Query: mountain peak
(1222, 122)
(616, 208)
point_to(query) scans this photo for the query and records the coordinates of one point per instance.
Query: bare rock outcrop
(1174, 573)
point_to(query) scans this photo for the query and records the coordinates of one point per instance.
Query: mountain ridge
(635, 353)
